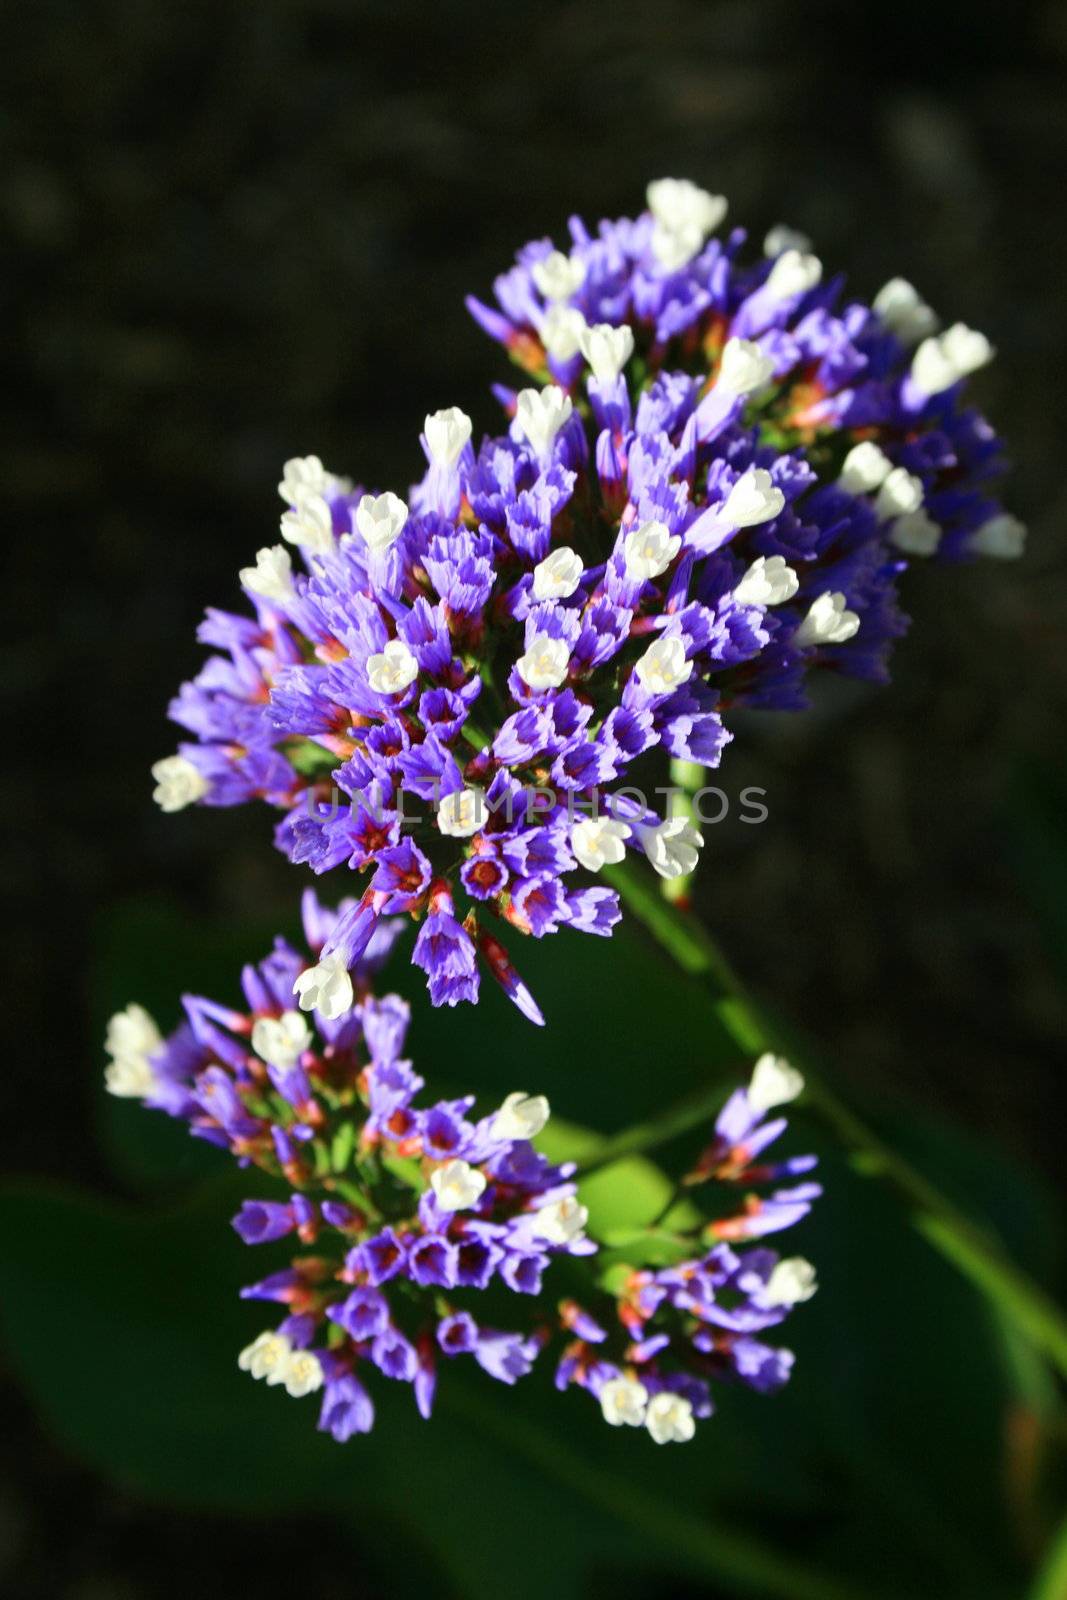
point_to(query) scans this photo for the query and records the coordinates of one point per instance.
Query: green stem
(969, 1247)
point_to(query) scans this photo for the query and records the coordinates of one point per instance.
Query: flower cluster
(709, 491)
(672, 1332)
(407, 1212)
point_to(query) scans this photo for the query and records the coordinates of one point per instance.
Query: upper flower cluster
(408, 1211)
(669, 1334)
(709, 490)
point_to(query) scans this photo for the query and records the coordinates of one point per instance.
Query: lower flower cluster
(413, 1217)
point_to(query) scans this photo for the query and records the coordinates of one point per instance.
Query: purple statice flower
(671, 1333)
(406, 1210)
(709, 491)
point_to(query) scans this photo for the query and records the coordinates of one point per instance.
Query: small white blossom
(607, 349)
(326, 988)
(942, 361)
(769, 581)
(304, 476)
(558, 276)
(649, 550)
(793, 273)
(303, 1374)
(272, 576)
(1003, 537)
(380, 518)
(676, 203)
(790, 1282)
(744, 367)
(446, 434)
(915, 533)
(675, 247)
(900, 493)
(774, 1082)
(827, 622)
(623, 1401)
(558, 575)
(598, 842)
(669, 1418)
(540, 414)
(267, 1357)
(781, 238)
(561, 331)
(663, 666)
(754, 498)
(309, 525)
(131, 1038)
(522, 1116)
(865, 468)
(904, 311)
(544, 664)
(561, 1222)
(281, 1041)
(393, 669)
(129, 1078)
(461, 813)
(457, 1185)
(673, 847)
(178, 783)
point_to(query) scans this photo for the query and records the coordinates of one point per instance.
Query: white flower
(672, 847)
(544, 665)
(598, 842)
(904, 312)
(794, 273)
(304, 476)
(674, 247)
(774, 1082)
(744, 367)
(677, 203)
(178, 783)
(446, 433)
(281, 1041)
(309, 525)
(669, 1418)
(940, 362)
(607, 349)
(325, 988)
(827, 622)
(900, 493)
(129, 1078)
(781, 238)
(457, 1185)
(267, 1357)
(623, 1400)
(754, 498)
(768, 582)
(461, 813)
(663, 666)
(558, 276)
(790, 1282)
(393, 669)
(1003, 537)
(131, 1038)
(303, 1374)
(561, 1222)
(558, 575)
(915, 533)
(380, 518)
(561, 331)
(540, 414)
(522, 1116)
(865, 468)
(272, 576)
(649, 550)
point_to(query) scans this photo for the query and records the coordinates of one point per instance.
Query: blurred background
(239, 233)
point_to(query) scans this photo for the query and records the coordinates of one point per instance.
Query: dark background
(242, 232)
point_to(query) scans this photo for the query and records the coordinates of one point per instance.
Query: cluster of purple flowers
(407, 1211)
(710, 490)
(671, 1333)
